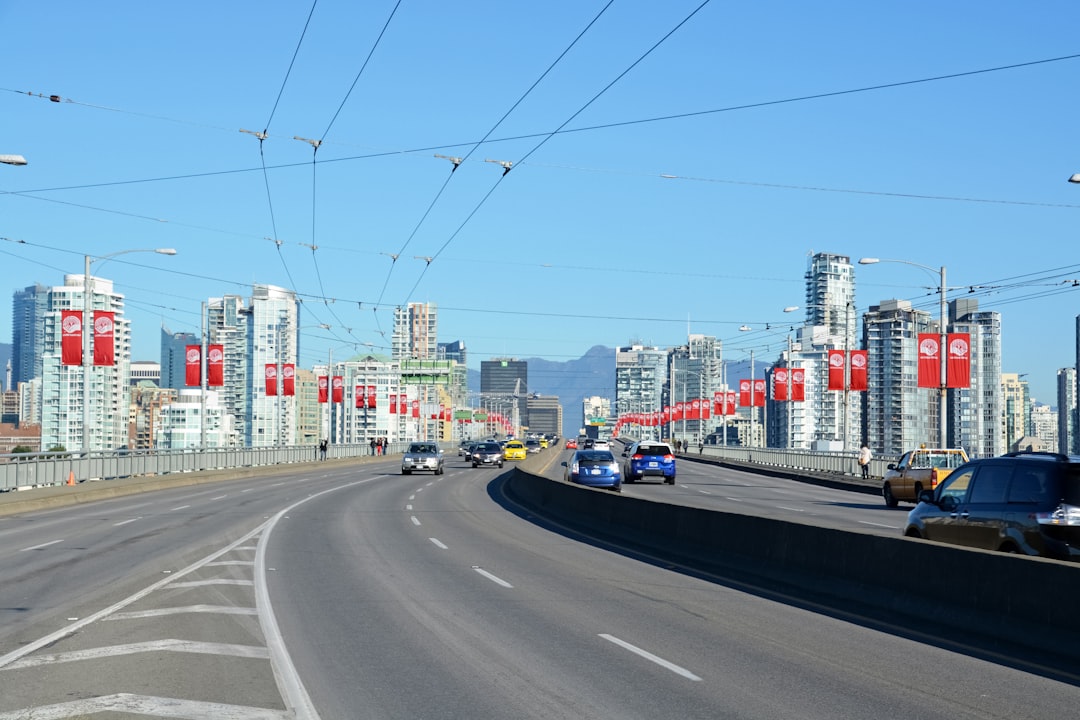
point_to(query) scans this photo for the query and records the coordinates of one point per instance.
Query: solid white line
(415, 521)
(182, 507)
(185, 646)
(208, 609)
(42, 545)
(218, 581)
(129, 704)
(492, 578)
(222, 563)
(649, 656)
(880, 525)
(438, 544)
(125, 522)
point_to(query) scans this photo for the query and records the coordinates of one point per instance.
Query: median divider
(996, 603)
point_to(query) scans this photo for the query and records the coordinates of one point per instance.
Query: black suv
(1024, 502)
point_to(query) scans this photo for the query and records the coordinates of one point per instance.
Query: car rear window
(654, 449)
(596, 456)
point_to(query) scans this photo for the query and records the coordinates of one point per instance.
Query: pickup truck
(919, 470)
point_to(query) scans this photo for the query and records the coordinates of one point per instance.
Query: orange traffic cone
(71, 477)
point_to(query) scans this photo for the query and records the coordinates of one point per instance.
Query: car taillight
(669, 458)
(637, 456)
(933, 478)
(1064, 515)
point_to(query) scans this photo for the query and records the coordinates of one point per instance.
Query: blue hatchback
(595, 468)
(650, 459)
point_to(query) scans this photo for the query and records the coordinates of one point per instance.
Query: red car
(571, 444)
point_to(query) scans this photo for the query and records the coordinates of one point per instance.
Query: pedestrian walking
(373, 445)
(322, 449)
(864, 461)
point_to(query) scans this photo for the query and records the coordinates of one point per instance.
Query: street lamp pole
(87, 349)
(942, 342)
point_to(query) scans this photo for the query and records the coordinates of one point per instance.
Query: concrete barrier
(984, 602)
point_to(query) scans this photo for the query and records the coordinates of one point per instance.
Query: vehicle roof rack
(1038, 454)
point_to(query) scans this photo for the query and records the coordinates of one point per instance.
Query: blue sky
(703, 152)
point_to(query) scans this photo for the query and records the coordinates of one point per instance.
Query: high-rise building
(1067, 412)
(1044, 425)
(641, 373)
(63, 409)
(975, 413)
(173, 363)
(696, 373)
(190, 420)
(453, 351)
(272, 319)
(145, 370)
(1017, 409)
(504, 385)
(545, 414)
(899, 415)
(415, 332)
(28, 310)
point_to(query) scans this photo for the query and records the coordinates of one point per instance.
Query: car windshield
(422, 448)
(490, 447)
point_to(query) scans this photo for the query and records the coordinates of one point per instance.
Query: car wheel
(500, 464)
(474, 464)
(890, 499)
(670, 480)
(405, 472)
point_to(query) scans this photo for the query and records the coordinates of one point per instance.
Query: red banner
(193, 365)
(745, 393)
(403, 404)
(215, 365)
(958, 361)
(779, 384)
(358, 395)
(271, 379)
(104, 338)
(929, 360)
(416, 408)
(324, 388)
(338, 388)
(837, 361)
(759, 393)
(288, 379)
(393, 403)
(695, 409)
(859, 380)
(798, 385)
(71, 337)
(371, 396)
(704, 408)
(729, 403)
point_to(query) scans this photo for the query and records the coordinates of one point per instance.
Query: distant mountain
(571, 381)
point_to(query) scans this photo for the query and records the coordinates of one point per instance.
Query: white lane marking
(42, 545)
(415, 521)
(783, 507)
(277, 484)
(219, 497)
(128, 704)
(125, 522)
(492, 578)
(735, 499)
(217, 581)
(430, 484)
(412, 497)
(419, 490)
(171, 645)
(182, 507)
(409, 506)
(652, 658)
(222, 563)
(248, 490)
(436, 543)
(880, 525)
(162, 612)
(704, 492)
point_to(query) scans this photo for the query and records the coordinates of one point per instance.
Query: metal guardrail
(27, 470)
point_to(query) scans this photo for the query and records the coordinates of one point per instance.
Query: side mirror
(927, 496)
(891, 466)
(564, 464)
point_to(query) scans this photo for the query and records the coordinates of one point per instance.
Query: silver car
(422, 456)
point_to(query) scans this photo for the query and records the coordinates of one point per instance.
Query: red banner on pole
(324, 388)
(958, 361)
(929, 361)
(393, 403)
(338, 388)
(71, 337)
(193, 365)
(271, 379)
(695, 409)
(288, 379)
(746, 398)
(729, 403)
(371, 396)
(798, 385)
(416, 408)
(215, 365)
(759, 393)
(359, 398)
(859, 380)
(779, 384)
(837, 361)
(104, 338)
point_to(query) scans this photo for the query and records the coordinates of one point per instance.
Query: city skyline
(668, 175)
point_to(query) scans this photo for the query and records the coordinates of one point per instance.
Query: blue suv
(649, 458)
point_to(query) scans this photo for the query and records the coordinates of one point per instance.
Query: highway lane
(431, 597)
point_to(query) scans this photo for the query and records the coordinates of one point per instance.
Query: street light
(87, 358)
(943, 427)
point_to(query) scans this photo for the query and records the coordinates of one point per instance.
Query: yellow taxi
(514, 450)
(543, 443)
